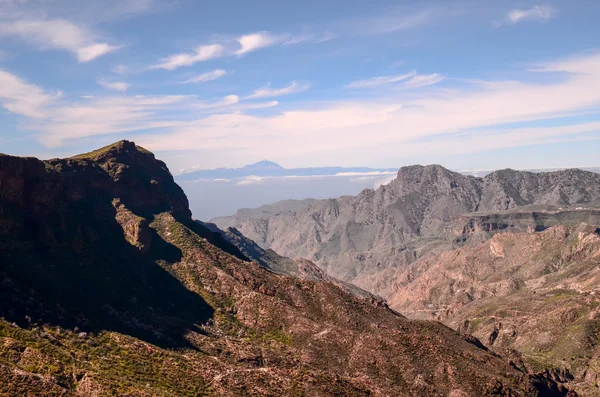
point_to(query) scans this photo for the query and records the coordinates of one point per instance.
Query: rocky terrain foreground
(110, 288)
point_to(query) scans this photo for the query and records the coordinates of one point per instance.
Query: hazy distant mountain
(270, 169)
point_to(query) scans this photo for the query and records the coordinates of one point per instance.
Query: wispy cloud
(56, 119)
(57, 34)
(405, 81)
(380, 80)
(255, 41)
(232, 104)
(23, 98)
(325, 37)
(225, 102)
(200, 54)
(114, 85)
(119, 69)
(469, 116)
(472, 116)
(268, 92)
(237, 46)
(312, 37)
(423, 80)
(260, 105)
(66, 121)
(535, 13)
(208, 76)
(397, 19)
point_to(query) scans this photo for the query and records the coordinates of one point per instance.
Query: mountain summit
(263, 165)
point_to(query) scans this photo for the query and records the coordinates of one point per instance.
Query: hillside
(537, 293)
(110, 288)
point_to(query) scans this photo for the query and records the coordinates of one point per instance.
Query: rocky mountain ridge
(110, 288)
(413, 216)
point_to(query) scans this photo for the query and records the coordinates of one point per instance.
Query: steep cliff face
(415, 215)
(110, 288)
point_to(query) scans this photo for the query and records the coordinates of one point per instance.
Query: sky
(466, 84)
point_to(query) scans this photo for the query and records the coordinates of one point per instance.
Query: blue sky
(467, 84)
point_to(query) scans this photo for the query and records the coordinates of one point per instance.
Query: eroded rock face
(421, 212)
(91, 305)
(537, 293)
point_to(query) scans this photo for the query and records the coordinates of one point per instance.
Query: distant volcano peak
(264, 164)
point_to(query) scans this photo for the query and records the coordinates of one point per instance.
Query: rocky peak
(434, 177)
(143, 183)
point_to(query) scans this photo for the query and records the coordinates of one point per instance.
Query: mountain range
(109, 287)
(270, 169)
(512, 257)
(414, 215)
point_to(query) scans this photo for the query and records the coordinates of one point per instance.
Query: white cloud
(469, 117)
(380, 80)
(261, 105)
(225, 102)
(439, 120)
(405, 81)
(237, 46)
(22, 98)
(312, 37)
(107, 115)
(201, 53)
(326, 37)
(208, 76)
(255, 41)
(232, 104)
(94, 51)
(268, 92)
(57, 34)
(423, 81)
(119, 69)
(55, 119)
(114, 85)
(396, 19)
(535, 13)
